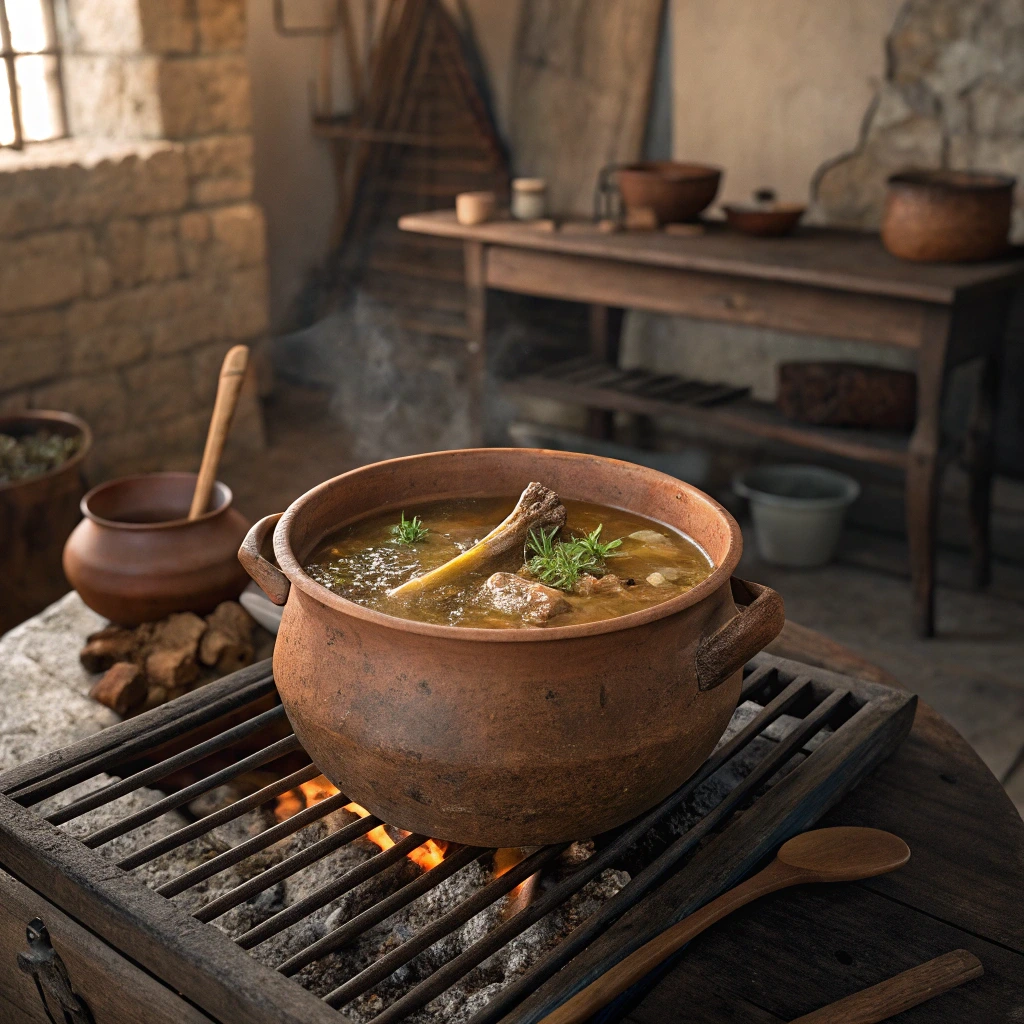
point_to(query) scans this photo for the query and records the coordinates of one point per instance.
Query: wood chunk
(514, 595)
(227, 643)
(171, 661)
(107, 647)
(121, 688)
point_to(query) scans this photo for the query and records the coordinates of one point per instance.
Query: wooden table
(829, 283)
(963, 888)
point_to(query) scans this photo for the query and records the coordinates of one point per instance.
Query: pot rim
(719, 576)
(951, 182)
(43, 416)
(672, 170)
(116, 524)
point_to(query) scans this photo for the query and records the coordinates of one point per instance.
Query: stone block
(168, 26)
(14, 401)
(99, 398)
(245, 304)
(120, 243)
(103, 27)
(193, 236)
(26, 361)
(239, 237)
(41, 270)
(201, 323)
(220, 169)
(204, 95)
(160, 389)
(221, 25)
(108, 347)
(161, 260)
(113, 97)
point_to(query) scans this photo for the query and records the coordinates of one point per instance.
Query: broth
(364, 560)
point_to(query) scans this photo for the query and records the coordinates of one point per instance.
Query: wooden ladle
(842, 854)
(232, 374)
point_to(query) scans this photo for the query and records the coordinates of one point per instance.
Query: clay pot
(135, 557)
(947, 216)
(36, 516)
(508, 737)
(764, 221)
(674, 191)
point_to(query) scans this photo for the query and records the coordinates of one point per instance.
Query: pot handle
(733, 644)
(268, 577)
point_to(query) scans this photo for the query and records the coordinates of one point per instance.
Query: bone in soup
(472, 562)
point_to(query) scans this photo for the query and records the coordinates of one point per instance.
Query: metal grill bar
(288, 827)
(104, 761)
(12, 80)
(462, 964)
(285, 868)
(288, 745)
(444, 925)
(218, 818)
(383, 910)
(165, 768)
(322, 896)
(648, 879)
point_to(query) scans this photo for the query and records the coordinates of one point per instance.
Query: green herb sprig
(561, 563)
(409, 531)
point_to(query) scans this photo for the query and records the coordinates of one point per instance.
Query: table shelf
(597, 385)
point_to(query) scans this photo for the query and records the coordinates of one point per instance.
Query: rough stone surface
(204, 95)
(952, 98)
(220, 168)
(41, 270)
(112, 97)
(221, 25)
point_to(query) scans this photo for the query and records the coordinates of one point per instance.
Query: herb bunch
(409, 531)
(561, 563)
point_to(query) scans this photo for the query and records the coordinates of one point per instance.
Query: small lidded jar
(529, 198)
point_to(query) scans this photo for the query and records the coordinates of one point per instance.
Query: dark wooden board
(825, 258)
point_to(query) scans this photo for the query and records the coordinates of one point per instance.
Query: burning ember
(427, 856)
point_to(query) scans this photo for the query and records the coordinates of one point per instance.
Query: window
(31, 99)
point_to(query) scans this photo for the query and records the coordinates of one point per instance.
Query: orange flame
(427, 856)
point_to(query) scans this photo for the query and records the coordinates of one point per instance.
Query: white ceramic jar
(529, 198)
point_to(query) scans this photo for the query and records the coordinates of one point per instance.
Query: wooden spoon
(842, 854)
(901, 992)
(232, 374)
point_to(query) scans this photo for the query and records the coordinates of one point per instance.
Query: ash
(473, 992)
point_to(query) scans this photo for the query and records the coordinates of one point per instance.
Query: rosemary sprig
(409, 531)
(561, 563)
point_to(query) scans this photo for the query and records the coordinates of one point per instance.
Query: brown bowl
(36, 516)
(765, 222)
(509, 737)
(674, 191)
(947, 216)
(136, 557)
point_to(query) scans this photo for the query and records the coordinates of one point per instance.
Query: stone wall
(131, 255)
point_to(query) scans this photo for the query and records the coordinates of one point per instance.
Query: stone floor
(973, 672)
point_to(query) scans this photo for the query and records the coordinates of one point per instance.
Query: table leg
(605, 332)
(979, 453)
(476, 338)
(925, 464)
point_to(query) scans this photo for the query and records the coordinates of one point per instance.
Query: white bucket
(798, 511)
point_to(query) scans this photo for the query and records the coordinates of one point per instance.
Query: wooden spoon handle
(640, 963)
(232, 374)
(899, 993)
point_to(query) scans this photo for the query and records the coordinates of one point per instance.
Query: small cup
(475, 207)
(529, 198)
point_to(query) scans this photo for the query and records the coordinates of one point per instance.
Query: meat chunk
(588, 585)
(514, 595)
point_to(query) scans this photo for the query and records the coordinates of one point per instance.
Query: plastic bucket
(798, 511)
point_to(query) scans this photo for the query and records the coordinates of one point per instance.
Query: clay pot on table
(136, 557)
(508, 737)
(672, 191)
(36, 516)
(947, 216)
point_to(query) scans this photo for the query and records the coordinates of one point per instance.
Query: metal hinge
(43, 963)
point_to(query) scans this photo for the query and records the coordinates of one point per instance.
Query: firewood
(171, 659)
(121, 688)
(227, 643)
(108, 646)
(538, 508)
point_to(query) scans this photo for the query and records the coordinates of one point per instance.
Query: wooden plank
(196, 959)
(817, 257)
(706, 295)
(99, 975)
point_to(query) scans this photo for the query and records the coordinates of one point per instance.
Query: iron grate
(799, 740)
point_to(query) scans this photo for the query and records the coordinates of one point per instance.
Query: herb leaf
(561, 563)
(409, 531)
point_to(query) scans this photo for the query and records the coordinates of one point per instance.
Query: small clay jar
(136, 557)
(529, 198)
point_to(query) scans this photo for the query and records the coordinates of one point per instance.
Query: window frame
(9, 57)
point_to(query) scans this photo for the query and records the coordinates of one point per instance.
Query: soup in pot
(548, 563)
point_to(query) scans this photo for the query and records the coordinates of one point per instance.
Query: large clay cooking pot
(509, 737)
